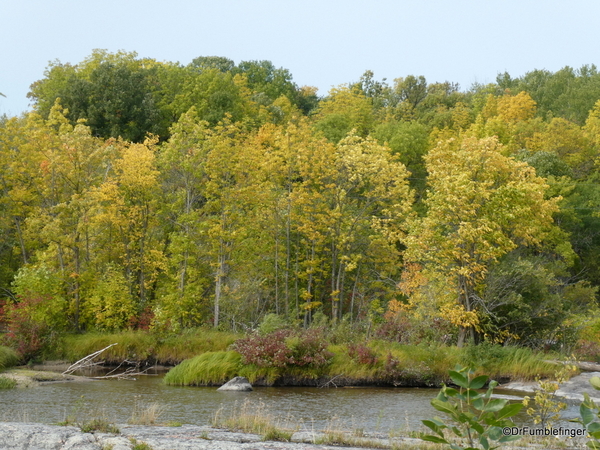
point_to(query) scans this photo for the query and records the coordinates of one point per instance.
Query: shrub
(284, 348)
(28, 334)
(588, 350)
(475, 418)
(8, 357)
(362, 354)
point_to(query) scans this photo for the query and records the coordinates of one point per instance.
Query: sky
(323, 43)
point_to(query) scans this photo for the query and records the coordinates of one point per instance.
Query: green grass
(509, 362)
(394, 364)
(99, 424)
(143, 345)
(190, 343)
(8, 357)
(206, 369)
(7, 383)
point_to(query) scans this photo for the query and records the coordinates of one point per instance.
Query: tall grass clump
(8, 357)
(131, 345)
(207, 369)
(385, 362)
(173, 349)
(257, 419)
(7, 383)
(508, 362)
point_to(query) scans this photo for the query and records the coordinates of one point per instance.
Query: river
(386, 410)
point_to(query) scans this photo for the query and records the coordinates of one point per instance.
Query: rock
(236, 384)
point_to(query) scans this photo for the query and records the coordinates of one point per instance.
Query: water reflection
(372, 409)
(383, 409)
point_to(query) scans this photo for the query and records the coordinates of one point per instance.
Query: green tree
(480, 206)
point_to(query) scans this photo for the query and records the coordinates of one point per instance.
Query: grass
(390, 363)
(206, 369)
(256, 419)
(99, 424)
(142, 345)
(7, 383)
(8, 357)
(145, 414)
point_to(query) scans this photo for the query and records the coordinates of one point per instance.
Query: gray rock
(236, 384)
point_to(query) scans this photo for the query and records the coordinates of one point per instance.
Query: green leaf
(459, 379)
(434, 426)
(457, 431)
(430, 438)
(587, 415)
(595, 382)
(594, 428)
(495, 405)
(509, 411)
(478, 382)
(484, 443)
(443, 406)
(477, 427)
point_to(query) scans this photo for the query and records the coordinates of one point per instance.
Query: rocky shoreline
(32, 436)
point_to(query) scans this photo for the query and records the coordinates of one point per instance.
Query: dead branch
(86, 362)
(128, 374)
(325, 385)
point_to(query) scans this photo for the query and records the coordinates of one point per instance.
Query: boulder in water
(236, 384)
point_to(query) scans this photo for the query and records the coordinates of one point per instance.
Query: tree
(480, 206)
(343, 110)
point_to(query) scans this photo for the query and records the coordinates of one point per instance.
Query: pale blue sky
(322, 43)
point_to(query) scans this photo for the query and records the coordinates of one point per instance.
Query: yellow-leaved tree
(480, 205)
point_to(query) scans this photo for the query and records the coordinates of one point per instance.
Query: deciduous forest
(140, 194)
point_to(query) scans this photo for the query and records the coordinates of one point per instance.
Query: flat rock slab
(237, 384)
(571, 390)
(32, 436)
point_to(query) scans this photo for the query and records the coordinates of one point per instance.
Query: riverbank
(32, 436)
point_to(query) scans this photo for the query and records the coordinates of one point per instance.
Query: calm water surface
(372, 409)
(384, 409)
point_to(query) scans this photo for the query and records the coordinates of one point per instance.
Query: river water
(385, 410)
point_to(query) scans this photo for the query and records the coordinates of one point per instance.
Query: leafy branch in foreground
(476, 418)
(590, 416)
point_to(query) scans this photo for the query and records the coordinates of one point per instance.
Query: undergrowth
(8, 357)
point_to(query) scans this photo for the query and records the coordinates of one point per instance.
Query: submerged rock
(236, 384)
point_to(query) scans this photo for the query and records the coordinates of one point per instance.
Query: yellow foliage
(458, 316)
(516, 108)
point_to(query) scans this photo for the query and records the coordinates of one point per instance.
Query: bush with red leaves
(362, 354)
(284, 348)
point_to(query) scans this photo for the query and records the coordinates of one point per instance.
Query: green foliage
(110, 305)
(99, 424)
(242, 207)
(207, 369)
(590, 416)
(8, 357)
(503, 362)
(131, 345)
(7, 383)
(477, 418)
(546, 409)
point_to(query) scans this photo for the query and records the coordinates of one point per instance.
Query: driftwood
(128, 374)
(331, 382)
(88, 361)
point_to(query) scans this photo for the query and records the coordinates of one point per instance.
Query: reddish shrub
(588, 350)
(362, 354)
(27, 336)
(283, 348)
